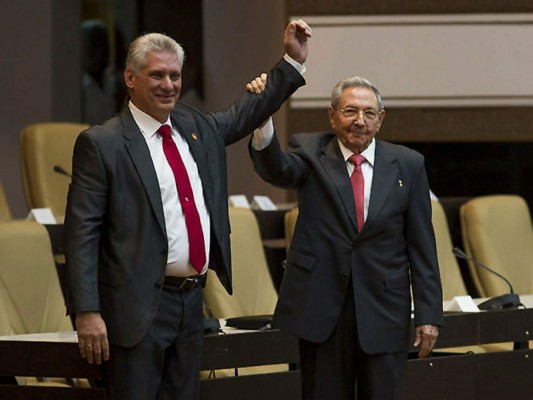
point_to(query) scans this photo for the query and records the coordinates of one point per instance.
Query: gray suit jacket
(115, 237)
(394, 251)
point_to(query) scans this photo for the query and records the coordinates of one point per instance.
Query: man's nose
(166, 82)
(360, 118)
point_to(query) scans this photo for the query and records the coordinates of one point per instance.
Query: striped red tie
(197, 256)
(358, 187)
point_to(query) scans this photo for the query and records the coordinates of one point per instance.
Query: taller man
(147, 215)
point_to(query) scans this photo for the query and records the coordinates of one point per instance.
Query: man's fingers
(89, 353)
(303, 28)
(258, 84)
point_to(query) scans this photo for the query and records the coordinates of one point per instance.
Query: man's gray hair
(354, 81)
(145, 44)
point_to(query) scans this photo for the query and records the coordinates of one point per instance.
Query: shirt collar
(369, 153)
(147, 124)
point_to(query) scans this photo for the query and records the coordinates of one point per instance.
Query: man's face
(356, 118)
(156, 88)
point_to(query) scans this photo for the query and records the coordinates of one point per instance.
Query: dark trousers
(165, 365)
(339, 369)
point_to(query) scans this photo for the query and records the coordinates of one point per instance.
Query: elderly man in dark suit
(147, 215)
(362, 241)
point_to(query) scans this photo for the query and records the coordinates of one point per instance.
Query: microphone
(509, 300)
(60, 170)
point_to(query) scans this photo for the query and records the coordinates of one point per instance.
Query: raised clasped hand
(295, 39)
(258, 84)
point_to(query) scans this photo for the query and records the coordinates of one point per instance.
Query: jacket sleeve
(251, 110)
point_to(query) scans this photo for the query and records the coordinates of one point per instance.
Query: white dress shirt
(178, 240)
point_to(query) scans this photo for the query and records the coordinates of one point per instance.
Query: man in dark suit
(357, 251)
(147, 215)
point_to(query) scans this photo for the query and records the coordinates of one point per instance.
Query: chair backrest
(42, 147)
(450, 273)
(29, 284)
(5, 211)
(5, 326)
(290, 224)
(498, 232)
(253, 289)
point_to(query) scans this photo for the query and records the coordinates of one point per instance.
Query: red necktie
(192, 218)
(358, 187)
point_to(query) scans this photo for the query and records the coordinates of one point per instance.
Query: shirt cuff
(263, 136)
(299, 67)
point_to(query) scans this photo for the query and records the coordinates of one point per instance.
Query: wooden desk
(503, 375)
(56, 355)
(494, 376)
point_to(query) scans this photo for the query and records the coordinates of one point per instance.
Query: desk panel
(503, 375)
(442, 378)
(506, 376)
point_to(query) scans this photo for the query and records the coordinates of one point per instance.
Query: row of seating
(496, 229)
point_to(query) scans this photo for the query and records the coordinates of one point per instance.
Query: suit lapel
(384, 177)
(140, 155)
(335, 166)
(199, 150)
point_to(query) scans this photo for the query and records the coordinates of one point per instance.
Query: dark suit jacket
(115, 237)
(394, 250)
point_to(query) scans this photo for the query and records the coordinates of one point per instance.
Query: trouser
(165, 365)
(338, 369)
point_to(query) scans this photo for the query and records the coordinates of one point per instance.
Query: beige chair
(43, 147)
(450, 273)
(253, 289)
(254, 292)
(451, 278)
(5, 326)
(498, 232)
(30, 295)
(29, 285)
(5, 211)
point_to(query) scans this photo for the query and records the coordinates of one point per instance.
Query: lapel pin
(400, 183)
(194, 136)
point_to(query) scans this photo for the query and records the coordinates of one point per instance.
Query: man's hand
(92, 337)
(258, 84)
(426, 336)
(295, 39)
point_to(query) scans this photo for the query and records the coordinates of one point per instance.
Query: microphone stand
(505, 301)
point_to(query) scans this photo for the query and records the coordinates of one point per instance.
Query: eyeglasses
(368, 115)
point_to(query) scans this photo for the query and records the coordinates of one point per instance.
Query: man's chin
(167, 105)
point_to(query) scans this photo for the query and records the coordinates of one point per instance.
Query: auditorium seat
(498, 232)
(450, 273)
(254, 292)
(253, 289)
(30, 297)
(44, 149)
(5, 210)
(29, 285)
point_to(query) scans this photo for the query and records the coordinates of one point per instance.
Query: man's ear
(128, 78)
(381, 118)
(330, 116)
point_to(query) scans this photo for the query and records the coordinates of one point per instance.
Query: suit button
(344, 277)
(158, 285)
(164, 251)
